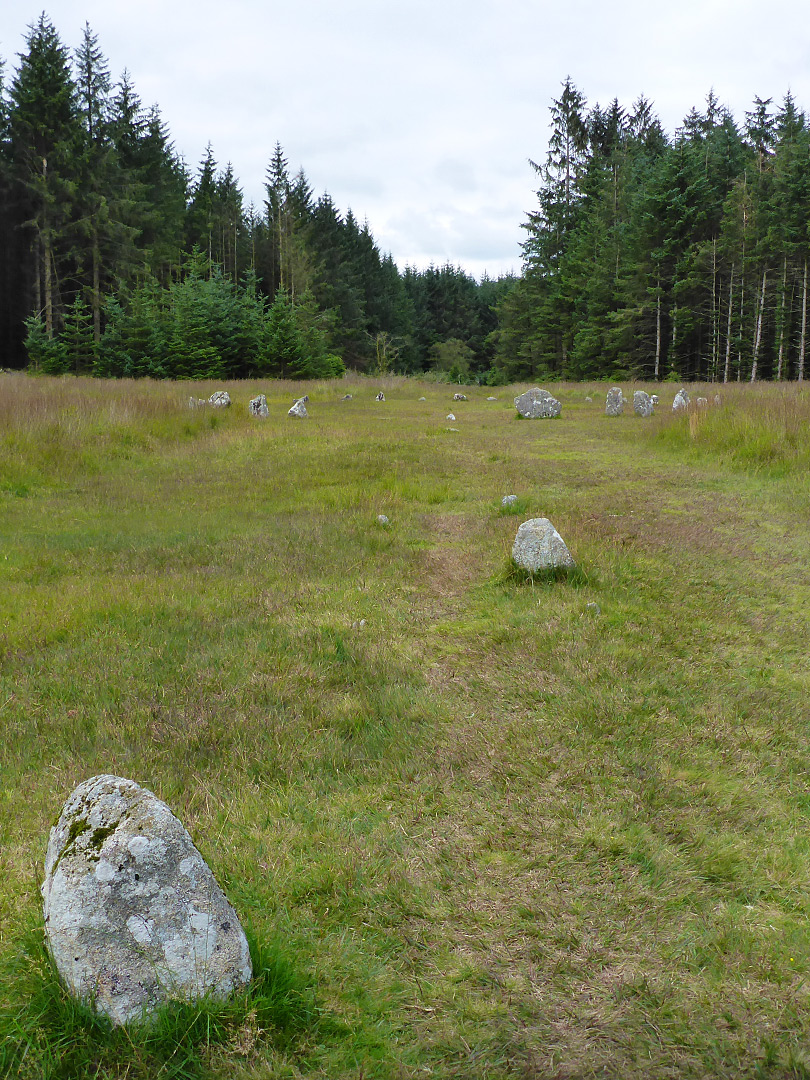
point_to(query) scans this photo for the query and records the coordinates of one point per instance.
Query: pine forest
(646, 255)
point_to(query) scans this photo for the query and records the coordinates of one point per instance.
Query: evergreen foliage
(656, 257)
(682, 257)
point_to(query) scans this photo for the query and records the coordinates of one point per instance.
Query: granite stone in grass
(615, 402)
(299, 409)
(133, 914)
(459, 397)
(219, 399)
(509, 500)
(380, 396)
(258, 406)
(538, 546)
(642, 403)
(681, 400)
(537, 404)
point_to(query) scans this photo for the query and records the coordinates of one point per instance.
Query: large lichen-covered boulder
(615, 401)
(537, 404)
(538, 546)
(133, 914)
(642, 403)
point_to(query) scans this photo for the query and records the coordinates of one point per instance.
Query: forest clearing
(475, 825)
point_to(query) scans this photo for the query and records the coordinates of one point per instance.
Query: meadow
(492, 833)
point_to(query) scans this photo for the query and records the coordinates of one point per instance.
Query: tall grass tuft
(748, 430)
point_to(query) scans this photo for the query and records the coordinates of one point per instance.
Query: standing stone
(538, 546)
(459, 397)
(423, 399)
(681, 400)
(718, 399)
(382, 519)
(380, 396)
(197, 402)
(492, 399)
(654, 398)
(219, 399)
(702, 402)
(508, 500)
(258, 406)
(536, 404)
(615, 402)
(450, 416)
(346, 397)
(642, 403)
(299, 409)
(133, 914)
(589, 398)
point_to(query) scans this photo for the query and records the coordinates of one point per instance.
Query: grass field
(491, 833)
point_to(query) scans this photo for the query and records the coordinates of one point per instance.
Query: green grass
(493, 832)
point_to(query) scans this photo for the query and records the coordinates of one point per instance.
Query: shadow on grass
(46, 1034)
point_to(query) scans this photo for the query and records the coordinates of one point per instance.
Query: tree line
(117, 259)
(647, 256)
(659, 257)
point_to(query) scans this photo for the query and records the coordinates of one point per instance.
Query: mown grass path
(501, 835)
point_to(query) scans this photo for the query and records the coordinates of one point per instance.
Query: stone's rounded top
(537, 403)
(492, 399)
(220, 398)
(422, 399)
(133, 914)
(305, 399)
(450, 416)
(299, 409)
(538, 546)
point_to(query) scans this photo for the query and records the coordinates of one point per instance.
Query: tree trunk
(95, 299)
(782, 322)
(728, 324)
(46, 260)
(758, 334)
(803, 339)
(658, 333)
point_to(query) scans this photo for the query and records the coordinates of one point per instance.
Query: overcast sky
(420, 115)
